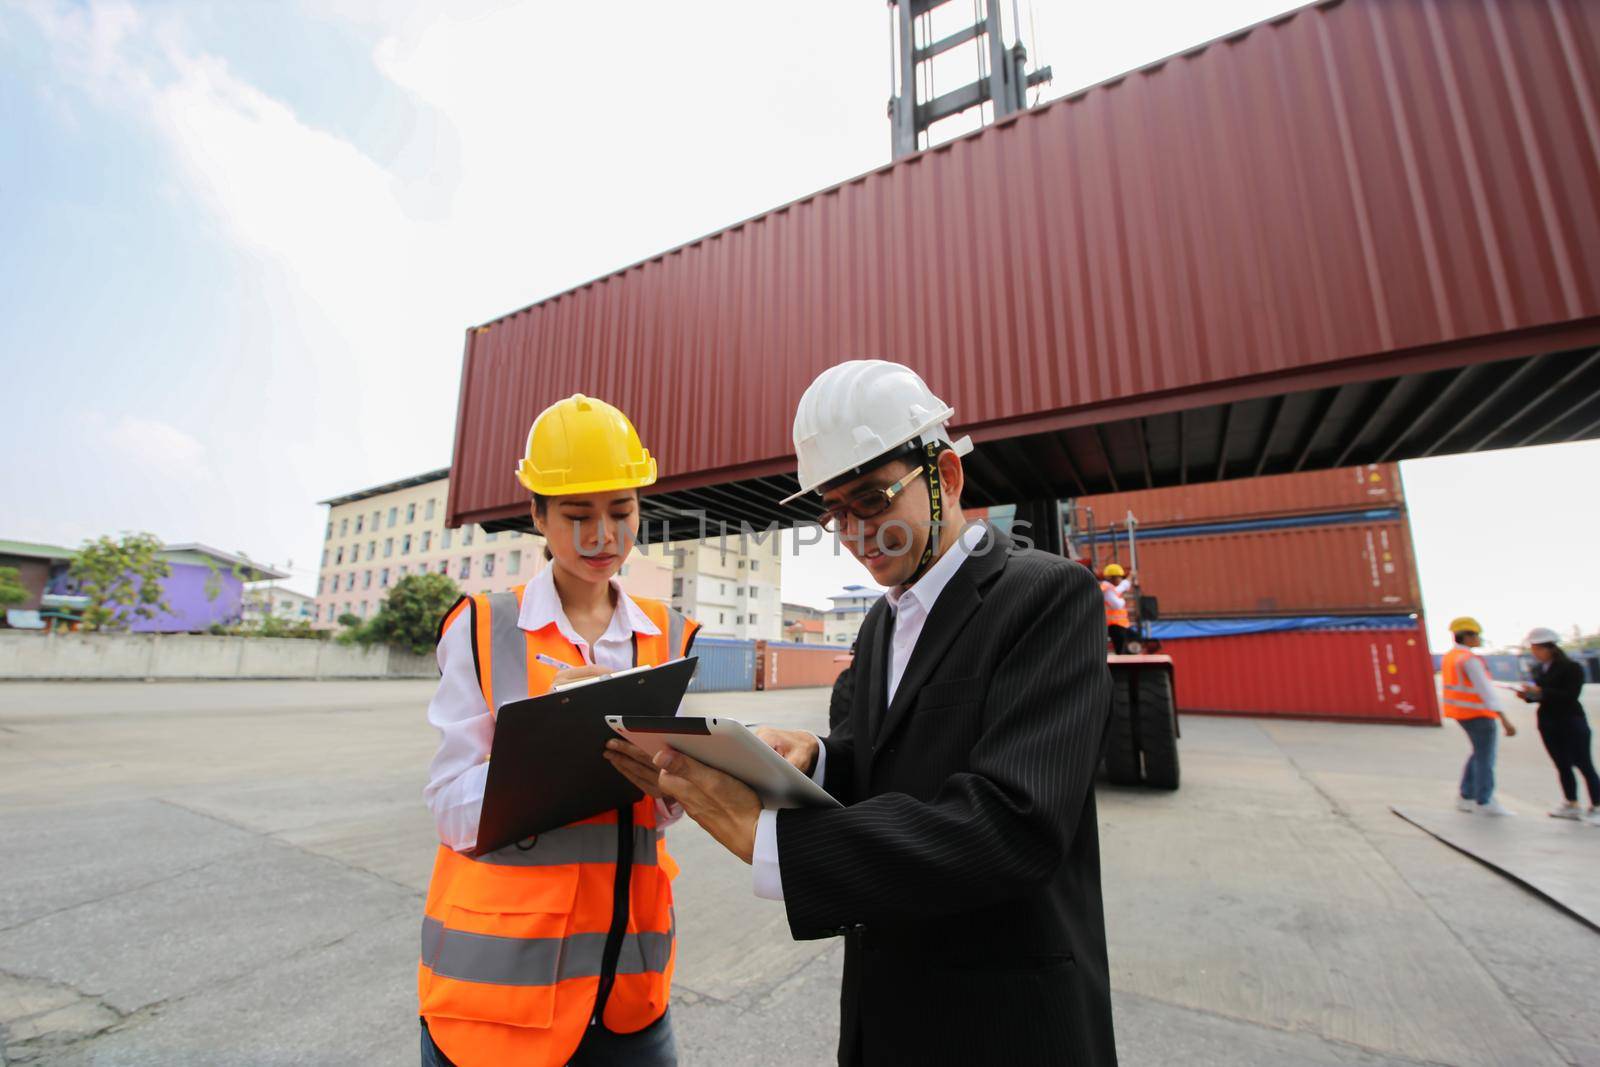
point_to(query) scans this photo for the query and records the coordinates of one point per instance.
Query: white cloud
(157, 446)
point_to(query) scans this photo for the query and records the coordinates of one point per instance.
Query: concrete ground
(232, 873)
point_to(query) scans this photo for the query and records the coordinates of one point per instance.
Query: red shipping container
(788, 666)
(1375, 485)
(1371, 675)
(1354, 569)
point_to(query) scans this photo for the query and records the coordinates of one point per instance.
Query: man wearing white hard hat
(963, 870)
(1563, 726)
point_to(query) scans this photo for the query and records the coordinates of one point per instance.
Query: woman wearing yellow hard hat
(559, 950)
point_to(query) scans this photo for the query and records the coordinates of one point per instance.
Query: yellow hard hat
(1114, 570)
(584, 445)
(1465, 624)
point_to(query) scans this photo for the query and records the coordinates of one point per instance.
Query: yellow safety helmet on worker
(1114, 570)
(583, 445)
(1465, 624)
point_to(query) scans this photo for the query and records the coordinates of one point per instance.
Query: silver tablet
(731, 748)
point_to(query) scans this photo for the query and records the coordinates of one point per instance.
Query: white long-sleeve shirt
(910, 608)
(1116, 595)
(466, 729)
(1478, 675)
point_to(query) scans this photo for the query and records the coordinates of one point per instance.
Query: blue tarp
(1337, 518)
(1177, 629)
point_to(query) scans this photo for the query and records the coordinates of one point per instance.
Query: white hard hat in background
(855, 412)
(1542, 636)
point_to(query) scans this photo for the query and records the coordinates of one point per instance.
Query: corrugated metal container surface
(726, 665)
(1305, 570)
(792, 666)
(1375, 485)
(1382, 675)
(1133, 241)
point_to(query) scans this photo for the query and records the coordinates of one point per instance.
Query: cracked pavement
(232, 873)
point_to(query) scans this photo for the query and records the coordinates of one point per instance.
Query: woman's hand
(1511, 731)
(569, 675)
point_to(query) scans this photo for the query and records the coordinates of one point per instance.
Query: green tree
(350, 620)
(12, 591)
(122, 579)
(409, 619)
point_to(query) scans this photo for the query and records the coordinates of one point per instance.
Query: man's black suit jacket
(964, 871)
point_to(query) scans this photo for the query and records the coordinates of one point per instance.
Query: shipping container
(726, 665)
(1359, 568)
(1123, 274)
(786, 665)
(1365, 675)
(1375, 485)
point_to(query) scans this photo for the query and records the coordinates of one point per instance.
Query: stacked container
(1288, 595)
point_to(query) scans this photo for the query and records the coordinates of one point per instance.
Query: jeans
(1567, 739)
(654, 1046)
(1477, 778)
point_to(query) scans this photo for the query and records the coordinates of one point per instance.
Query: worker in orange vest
(558, 949)
(1468, 697)
(1115, 594)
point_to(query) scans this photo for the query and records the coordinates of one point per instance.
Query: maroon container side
(787, 667)
(1145, 238)
(1375, 485)
(1362, 568)
(1368, 675)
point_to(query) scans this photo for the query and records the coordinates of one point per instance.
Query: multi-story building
(374, 537)
(731, 585)
(850, 607)
(803, 624)
(287, 604)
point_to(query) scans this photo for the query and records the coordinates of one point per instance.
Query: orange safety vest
(524, 948)
(1461, 699)
(1115, 616)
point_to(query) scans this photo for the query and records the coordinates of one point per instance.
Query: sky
(243, 242)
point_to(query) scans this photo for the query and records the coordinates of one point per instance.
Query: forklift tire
(1158, 729)
(1122, 750)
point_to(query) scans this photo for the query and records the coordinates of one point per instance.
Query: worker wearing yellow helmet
(556, 949)
(1469, 698)
(1114, 585)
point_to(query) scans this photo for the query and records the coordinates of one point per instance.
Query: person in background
(1564, 728)
(1468, 698)
(1116, 605)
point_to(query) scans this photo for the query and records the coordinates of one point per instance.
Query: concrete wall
(106, 656)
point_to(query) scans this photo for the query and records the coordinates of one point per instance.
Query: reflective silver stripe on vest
(587, 843)
(677, 621)
(508, 650)
(535, 961)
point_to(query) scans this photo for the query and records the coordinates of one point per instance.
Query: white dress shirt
(460, 768)
(910, 606)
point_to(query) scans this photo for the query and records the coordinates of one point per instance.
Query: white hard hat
(1542, 635)
(856, 411)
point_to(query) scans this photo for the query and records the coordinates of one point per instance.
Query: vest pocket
(497, 954)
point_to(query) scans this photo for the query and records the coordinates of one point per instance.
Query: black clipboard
(547, 766)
